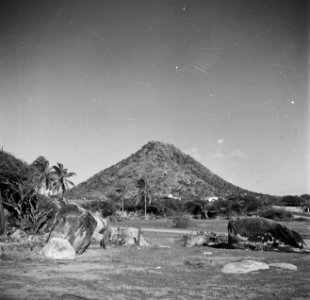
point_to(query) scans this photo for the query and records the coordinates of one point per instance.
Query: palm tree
(143, 185)
(42, 165)
(61, 182)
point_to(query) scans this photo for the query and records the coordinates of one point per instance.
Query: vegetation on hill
(167, 171)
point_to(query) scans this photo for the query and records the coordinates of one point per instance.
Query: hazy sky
(88, 83)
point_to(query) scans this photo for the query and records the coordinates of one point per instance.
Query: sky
(88, 83)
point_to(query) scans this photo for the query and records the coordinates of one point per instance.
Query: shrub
(180, 220)
(219, 207)
(276, 214)
(154, 209)
(195, 208)
(169, 207)
(41, 209)
(291, 201)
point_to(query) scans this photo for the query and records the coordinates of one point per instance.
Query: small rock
(130, 241)
(286, 266)
(199, 264)
(244, 266)
(18, 234)
(207, 253)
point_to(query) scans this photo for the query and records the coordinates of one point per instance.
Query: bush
(195, 208)
(182, 221)
(276, 214)
(292, 201)
(219, 207)
(154, 209)
(170, 207)
(36, 217)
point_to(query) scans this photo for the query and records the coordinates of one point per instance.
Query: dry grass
(155, 273)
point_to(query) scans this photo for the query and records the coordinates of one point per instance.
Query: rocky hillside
(167, 170)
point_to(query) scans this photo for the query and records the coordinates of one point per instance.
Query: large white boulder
(74, 224)
(245, 266)
(58, 248)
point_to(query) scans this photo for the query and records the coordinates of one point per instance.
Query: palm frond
(70, 182)
(70, 174)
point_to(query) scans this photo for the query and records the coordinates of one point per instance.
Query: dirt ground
(163, 271)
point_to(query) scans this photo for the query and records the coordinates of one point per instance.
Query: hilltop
(168, 171)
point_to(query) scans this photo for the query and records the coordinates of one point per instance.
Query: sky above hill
(88, 83)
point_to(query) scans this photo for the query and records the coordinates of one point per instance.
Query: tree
(143, 185)
(291, 200)
(44, 171)
(306, 202)
(17, 183)
(2, 218)
(61, 182)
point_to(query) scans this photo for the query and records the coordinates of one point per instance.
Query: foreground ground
(163, 271)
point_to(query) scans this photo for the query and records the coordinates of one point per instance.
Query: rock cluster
(127, 236)
(210, 239)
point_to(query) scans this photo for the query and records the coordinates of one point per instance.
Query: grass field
(165, 270)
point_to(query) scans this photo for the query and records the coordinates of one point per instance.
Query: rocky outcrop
(262, 234)
(127, 236)
(74, 224)
(209, 239)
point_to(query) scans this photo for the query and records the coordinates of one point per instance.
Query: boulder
(18, 235)
(58, 248)
(74, 224)
(127, 236)
(244, 266)
(262, 234)
(198, 240)
(210, 239)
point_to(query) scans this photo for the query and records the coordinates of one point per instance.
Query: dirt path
(173, 231)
